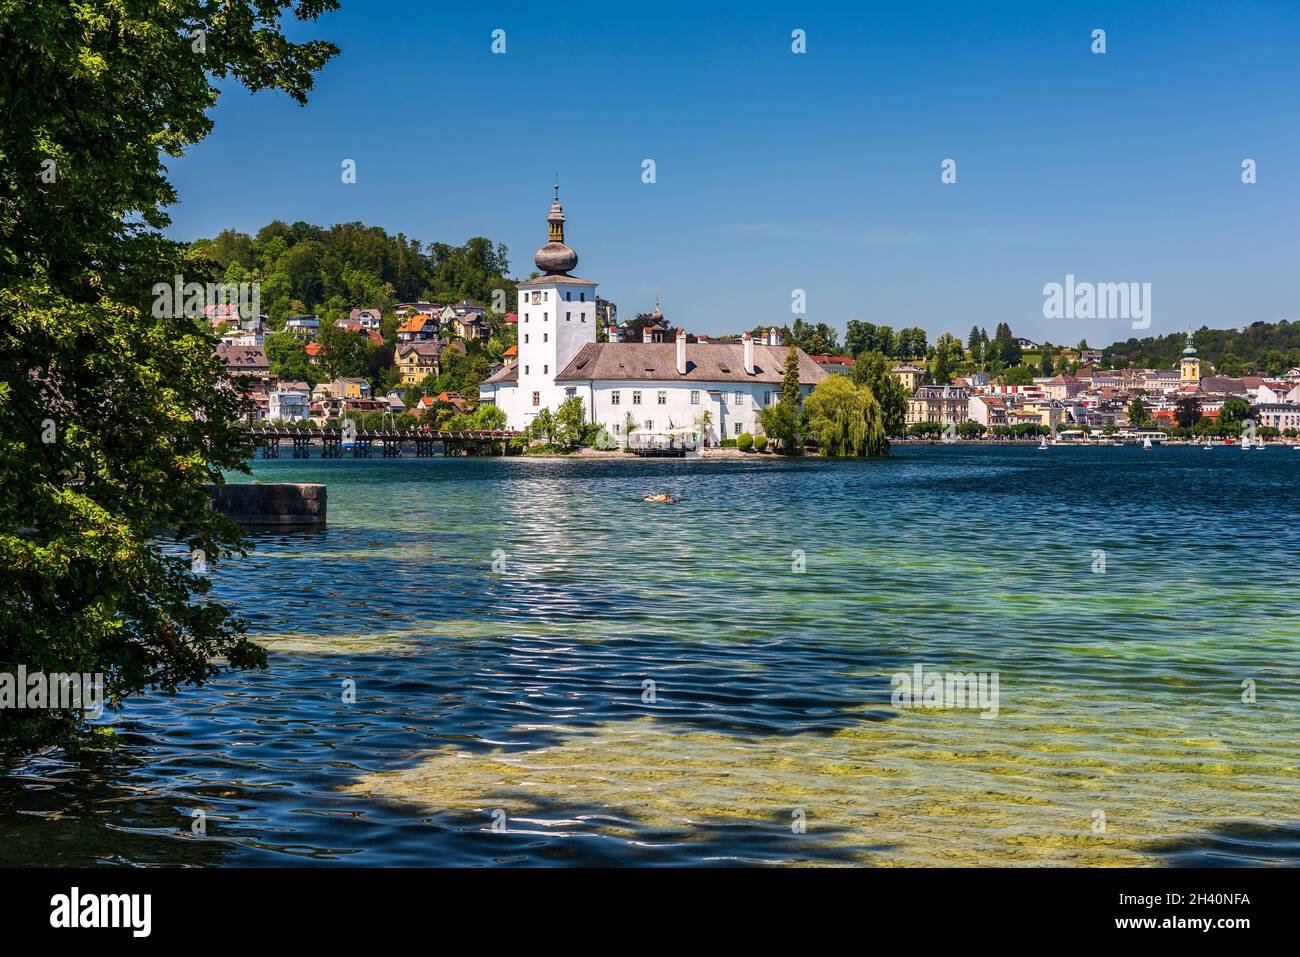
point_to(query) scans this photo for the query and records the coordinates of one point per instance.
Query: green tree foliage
(845, 418)
(459, 372)
(863, 337)
(113, 420)
(1187, 411)
(343, 353)
(329, 271)
(1268, 347)
(1138, 414)
(814, 338)
(1234, 411)
(781, 421)
(570, 420)
(872, 370)
(911, 343)
(1005, 348)
(1018, 375)
(287, 355)
(947, 355)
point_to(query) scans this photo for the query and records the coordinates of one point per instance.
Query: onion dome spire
(555, 258)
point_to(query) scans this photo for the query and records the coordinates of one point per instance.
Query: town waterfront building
(944, 404)
(647, 386)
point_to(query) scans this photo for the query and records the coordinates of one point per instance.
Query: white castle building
(655, 386)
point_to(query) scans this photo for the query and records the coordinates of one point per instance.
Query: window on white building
(695, 397)
(525, 370)
(546, 337)
(615, 397)
(736, 429)
(537, 398)
(544, 316)
(616, 428)
(649, 425)
(636, 396)
(663, 397)
(570, 393)
(740, 398)
(568, 317)
(525, 338)
(546, 369)
(582, 297)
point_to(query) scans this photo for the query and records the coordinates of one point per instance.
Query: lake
(516, 662)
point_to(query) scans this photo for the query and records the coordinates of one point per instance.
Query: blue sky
(819, 171)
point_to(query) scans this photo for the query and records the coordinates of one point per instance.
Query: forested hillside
(327, 271)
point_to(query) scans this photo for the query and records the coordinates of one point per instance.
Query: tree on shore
(872, 370)
(1187, 411)
(781, 421)
(846, 420)
(113, 414)
(1138, 414)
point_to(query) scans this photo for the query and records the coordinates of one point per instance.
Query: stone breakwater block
(277, 503)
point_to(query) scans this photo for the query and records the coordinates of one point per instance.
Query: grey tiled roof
(551, 278)
(432, 347)
(509, 374)
(1224, 384)
(705, 362)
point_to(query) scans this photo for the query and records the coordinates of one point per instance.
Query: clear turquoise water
(517, 696)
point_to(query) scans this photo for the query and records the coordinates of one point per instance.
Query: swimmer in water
(661, 499)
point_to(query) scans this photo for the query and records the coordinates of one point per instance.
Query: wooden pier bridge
(334, 442)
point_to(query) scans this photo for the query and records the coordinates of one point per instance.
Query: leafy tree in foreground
(846, 419)
(872, 370)
(112, 418)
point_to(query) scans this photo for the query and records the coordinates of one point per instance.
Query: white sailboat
(1245, 443)
(1146, 444)
(1042, 444)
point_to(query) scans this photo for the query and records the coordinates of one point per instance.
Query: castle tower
(557, 317)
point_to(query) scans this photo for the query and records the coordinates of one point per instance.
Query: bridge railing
(403, 434)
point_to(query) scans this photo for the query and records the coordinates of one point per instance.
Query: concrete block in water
(276, 503)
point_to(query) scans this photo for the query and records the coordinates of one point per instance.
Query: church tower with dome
(557, 317)
(1190, 366)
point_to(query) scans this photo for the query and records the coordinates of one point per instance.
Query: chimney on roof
(773, 336)
(748, 342)
(645, 334)
(681, 352)
(615, 334)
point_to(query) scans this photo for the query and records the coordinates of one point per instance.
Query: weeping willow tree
(846, 419)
